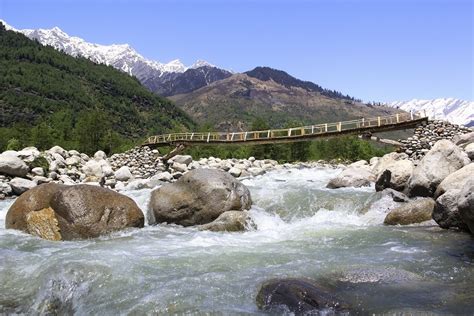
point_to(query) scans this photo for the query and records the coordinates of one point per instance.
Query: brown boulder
(80, 211)
(410, 213)
(32, 200)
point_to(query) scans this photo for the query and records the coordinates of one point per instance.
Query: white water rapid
(336, 237)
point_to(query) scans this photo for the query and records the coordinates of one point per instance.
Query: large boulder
(446, 212)
(352, 177)
(86, 211)
(230, 221)
(455, 180)
(299, 296)
(413, 212)
(36, 199)
(466, 205)
(11, 165)
(381, 164)
(443, 159)
(199, 197)
(80, 211)
(400, 172)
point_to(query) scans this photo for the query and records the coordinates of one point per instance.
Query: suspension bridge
(363, 126)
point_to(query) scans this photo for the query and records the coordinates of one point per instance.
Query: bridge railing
(283, 132)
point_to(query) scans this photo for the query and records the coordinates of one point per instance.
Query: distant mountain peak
(454, 110)
(201, 63)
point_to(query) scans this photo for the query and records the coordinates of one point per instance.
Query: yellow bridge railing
(396, 121)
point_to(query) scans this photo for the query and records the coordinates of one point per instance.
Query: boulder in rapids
(442, 160)
(352, 177)
(400, 172)
(446, 212)
(299, 296)
(413, 212)
(199, 197)
(79, 211)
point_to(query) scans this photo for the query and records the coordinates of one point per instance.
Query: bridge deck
(294, 134)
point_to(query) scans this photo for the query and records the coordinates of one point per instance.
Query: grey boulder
(466, 205)
(442, 160)
(446, 212)
(20, 185)
(198, 197)
(352, 177)
(455, 180)
(11, 165)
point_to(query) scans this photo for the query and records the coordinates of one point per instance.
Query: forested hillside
(50, 98)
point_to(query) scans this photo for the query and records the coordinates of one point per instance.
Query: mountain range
(228, 100)
(163, 78)
(450, 109)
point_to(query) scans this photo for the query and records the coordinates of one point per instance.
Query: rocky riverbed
(265, 221)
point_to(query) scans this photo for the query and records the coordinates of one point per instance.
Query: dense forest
(50, 98)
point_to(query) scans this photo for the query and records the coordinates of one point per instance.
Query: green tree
(13, 144)
(91, 130)
(42, 136)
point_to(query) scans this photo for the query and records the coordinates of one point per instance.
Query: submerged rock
(199, 197)
(442, 160)
(298, 296)
(411, 213)
(80, 211)
(376, 275)
(230, 221)
(352, 177)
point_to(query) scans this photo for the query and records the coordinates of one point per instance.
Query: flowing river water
(335, 237)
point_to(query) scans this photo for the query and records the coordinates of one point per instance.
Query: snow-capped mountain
(453, 110)
(122, 56)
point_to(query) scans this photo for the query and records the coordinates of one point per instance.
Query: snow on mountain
(122, 56)
(453, 110)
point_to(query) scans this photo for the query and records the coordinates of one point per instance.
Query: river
(303, 230)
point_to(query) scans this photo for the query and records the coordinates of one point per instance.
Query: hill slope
(233, 103)
(37, 81)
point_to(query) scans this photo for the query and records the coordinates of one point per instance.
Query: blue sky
(381, 50)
